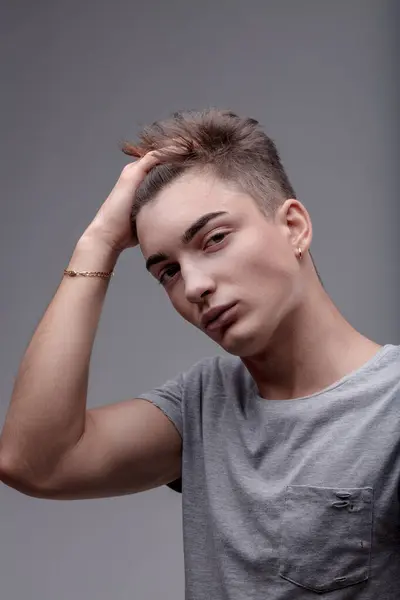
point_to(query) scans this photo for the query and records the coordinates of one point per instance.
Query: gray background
(78, 77)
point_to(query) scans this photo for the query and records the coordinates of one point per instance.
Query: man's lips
(221, 318)
(213, 313)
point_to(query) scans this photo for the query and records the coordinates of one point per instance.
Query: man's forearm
(48, 406)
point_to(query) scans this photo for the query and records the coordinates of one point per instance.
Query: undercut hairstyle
(218, 142)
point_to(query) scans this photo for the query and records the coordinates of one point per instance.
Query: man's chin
(234, 340)
(247, 343)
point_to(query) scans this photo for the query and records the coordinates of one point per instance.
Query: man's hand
(112, 224)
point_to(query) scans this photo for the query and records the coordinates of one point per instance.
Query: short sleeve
(168, 398)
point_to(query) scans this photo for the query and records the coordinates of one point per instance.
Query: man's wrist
(93, 254)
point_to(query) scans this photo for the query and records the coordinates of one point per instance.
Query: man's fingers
(149, 160)
(137, 170)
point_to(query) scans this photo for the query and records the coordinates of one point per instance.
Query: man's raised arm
(51, 445)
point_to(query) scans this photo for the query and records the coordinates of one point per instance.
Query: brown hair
(235, 149)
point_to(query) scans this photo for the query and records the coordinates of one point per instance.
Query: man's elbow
(12, 475)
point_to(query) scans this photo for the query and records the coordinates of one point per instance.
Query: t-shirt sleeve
(168, 397)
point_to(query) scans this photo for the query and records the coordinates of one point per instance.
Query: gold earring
(300, 253)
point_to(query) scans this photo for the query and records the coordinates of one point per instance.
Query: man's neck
(317, 348)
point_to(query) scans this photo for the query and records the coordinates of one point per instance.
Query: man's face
(238, 257)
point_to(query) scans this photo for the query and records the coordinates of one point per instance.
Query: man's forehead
(188, 193)
(179, 205)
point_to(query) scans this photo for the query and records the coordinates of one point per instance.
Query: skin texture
(286, 330)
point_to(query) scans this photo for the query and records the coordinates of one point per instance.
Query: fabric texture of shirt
(288, 499)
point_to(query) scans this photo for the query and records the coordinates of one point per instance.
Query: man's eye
(216, 235)
(166, 274)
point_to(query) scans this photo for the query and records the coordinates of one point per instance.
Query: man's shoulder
(213, 367)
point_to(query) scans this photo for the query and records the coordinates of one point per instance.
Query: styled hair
(219, 142)
(234, 149)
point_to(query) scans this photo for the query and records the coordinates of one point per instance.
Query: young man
(287, 448)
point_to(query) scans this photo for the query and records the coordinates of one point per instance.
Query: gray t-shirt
(288, 499)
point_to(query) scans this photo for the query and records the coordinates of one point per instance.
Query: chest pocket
(326, 537)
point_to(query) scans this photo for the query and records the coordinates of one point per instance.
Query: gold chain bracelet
(102, 274)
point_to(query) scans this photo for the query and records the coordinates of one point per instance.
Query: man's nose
(197, 285)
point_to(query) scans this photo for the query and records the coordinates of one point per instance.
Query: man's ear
(296, 219)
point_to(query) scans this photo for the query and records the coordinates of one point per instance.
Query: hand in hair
(112, 225)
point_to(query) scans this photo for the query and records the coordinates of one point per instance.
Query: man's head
(216, 162)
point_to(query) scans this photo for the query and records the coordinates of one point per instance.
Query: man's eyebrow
(187, 237)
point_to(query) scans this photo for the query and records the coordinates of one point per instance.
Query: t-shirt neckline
(374, 359)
